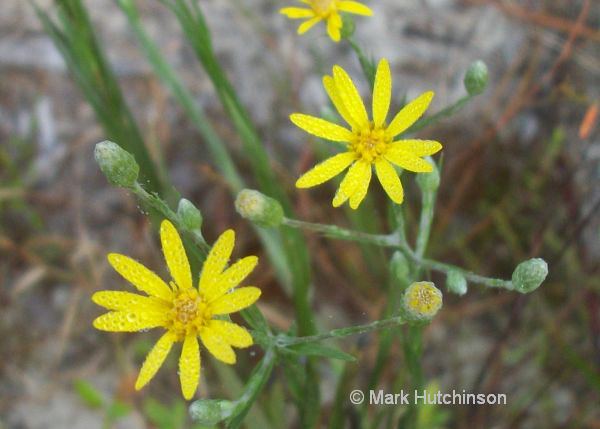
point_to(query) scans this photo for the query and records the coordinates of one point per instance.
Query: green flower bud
(429, 182)
(259, 208)
(421, 301)
(117, 164)
(190, 216)
(456, 282)
(476, 78)
(399, 266)
(529, 275)
(209, 412)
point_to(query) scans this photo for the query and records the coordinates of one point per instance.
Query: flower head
(184, 311)
(422, 300)
(325, 10)
(368, 142)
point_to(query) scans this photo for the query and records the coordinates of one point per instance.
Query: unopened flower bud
(476, 78)
(190, 216)
(422, 300)
(259, 208)
(210, 412)
(456, 282)
(429, 182)
(529, 275)
(117, 164)
(399, 266)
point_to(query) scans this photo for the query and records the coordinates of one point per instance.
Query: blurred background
(520, 179)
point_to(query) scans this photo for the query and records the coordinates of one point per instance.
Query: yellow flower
(184, 311)
(368, 143)
(325, 10)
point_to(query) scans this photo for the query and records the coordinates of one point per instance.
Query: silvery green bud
(209, 412)
(456, 282)
(399, 266)
(476, 78)
(189, 215)
(259, 208)
(421, 301)
(529, 275)
(117, 164)
(429, 182)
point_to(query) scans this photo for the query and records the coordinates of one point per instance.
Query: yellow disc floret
(422, 300)
(370, 143)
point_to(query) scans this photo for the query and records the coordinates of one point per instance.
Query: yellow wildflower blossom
(184, 311)
(368, 142)
(325, 10)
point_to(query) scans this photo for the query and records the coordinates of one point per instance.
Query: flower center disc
(323, 7)
(370, 143)
(188, 312)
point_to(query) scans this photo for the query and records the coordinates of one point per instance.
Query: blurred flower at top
(185, 311)
(325, 10)
(368, 142)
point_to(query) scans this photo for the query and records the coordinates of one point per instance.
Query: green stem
(367, 65)
(284, 341)
(394, 241)
(436, 117)
(154, 201)
(255, 384)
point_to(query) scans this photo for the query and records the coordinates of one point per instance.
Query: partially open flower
(258, 208)
(422, 300)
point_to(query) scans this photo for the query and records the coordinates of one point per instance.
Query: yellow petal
(321, 128)
(235, 301)
(129, 321)
(217, 345)
(307, 25)
(418, 147)
(230, 278)
(175, 256)
(297, 12)
(408, 161)
(350, 96)
(189, 366)
(232, 333)
(117, 300)
(382, 92)
(361, 190)
(332, 91)
(354, 7)
(155, 359)
(350, 183)
(334, 24)
(217, 259)
(326, 170)
(139, 276)
(388, 177)
(410, 113)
